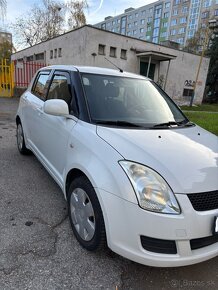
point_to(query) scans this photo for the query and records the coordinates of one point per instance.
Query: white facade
(89, 46)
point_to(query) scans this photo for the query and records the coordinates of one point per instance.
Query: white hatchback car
(137, 175)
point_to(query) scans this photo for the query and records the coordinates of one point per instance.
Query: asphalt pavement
(37, 246)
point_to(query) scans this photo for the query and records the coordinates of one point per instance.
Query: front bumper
(126, 223)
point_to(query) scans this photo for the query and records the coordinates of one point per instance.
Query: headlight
(151, 189)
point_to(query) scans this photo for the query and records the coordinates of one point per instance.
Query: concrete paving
(37, 247)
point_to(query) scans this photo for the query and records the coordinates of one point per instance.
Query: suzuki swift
(138, 176)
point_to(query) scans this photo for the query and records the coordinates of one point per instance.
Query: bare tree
(48, 20)
(43, 22)
(77, 16)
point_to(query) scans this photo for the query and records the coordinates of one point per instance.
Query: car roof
(95, 70)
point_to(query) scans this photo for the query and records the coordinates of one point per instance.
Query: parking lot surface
(37, 247)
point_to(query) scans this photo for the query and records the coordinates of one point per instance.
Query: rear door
(32, 113)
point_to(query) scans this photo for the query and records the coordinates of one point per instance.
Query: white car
(137, 175)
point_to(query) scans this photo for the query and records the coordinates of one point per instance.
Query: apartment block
(163, 20)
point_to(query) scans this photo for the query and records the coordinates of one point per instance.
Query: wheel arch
(71, 175)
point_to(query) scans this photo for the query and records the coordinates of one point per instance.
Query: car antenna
(120, 69)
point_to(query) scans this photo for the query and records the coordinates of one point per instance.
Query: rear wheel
(86, 215)
(20, 140)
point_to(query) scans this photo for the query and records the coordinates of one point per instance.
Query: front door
(57, 129)
(144, 69)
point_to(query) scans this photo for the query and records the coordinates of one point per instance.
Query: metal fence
(24, 72)
(16, 74)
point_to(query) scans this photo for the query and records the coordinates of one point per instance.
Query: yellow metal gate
(6, 78)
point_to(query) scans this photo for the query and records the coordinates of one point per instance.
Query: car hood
(187, 158)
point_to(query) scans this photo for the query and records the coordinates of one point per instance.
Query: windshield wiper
(117, 123)
(184, 123)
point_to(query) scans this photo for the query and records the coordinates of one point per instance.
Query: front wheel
(85, 214)
(20, 140)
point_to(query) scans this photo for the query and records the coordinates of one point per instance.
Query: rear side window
(39, 88)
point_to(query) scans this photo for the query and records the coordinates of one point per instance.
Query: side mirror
(56, 107)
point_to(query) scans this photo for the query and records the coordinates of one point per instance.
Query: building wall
(84, 47)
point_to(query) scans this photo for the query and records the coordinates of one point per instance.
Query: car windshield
(129, 101)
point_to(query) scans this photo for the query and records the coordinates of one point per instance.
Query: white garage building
(174, 69)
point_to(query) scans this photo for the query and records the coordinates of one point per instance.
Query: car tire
(20, 141)
(85, 214)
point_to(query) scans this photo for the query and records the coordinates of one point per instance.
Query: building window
(191, 33)
(123, 54)
(55, 53)
(143, 12)
(216, 12)
(173, 32)
(181, 30)
(165, 24)
(180, 40)
(136, 15)
(173, 22)
(29, 58)
(142, 21)
(113, 51)
(163, 34)
(167, 5)
(157, 22)
(182, 20)
(134, 32)
(148, 37)
(130, 17)
(175, 12)
(142, 30)
(59, 52)
(206, 3)
(136, 23)
(149, 28)
(205, 15)
(166, 14)
(51, 54)
(129, 33)
(103, 26)
(176, 2)
(150, 10)
(129, 25)
(184, 9)
(118, 21)
(101, 49)
(155, 39)
(123, 25)
(108, 24)
(39, 56)
(188, 92)
(149, 19)
(155, 32)
(113, 23)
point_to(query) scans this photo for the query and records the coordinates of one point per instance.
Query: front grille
(158, 246)
(204, 200)
(203, 242)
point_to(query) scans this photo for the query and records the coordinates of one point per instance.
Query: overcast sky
(98, 9)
